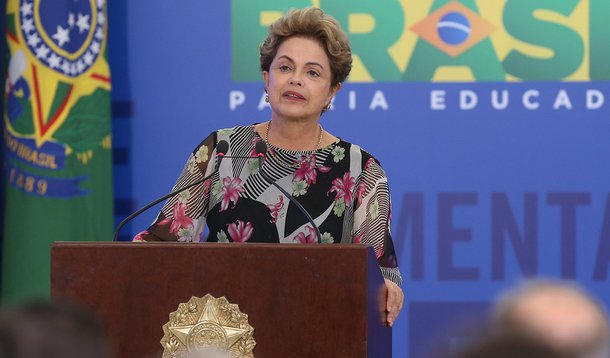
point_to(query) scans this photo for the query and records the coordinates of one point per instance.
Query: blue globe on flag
(454, 28)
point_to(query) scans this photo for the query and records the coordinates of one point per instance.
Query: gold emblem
(208, 324)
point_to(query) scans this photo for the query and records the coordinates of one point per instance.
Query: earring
(267, 98)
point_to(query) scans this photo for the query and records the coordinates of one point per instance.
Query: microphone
(261, 152)
(221, 149)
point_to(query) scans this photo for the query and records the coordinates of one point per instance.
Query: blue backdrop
(494, 136)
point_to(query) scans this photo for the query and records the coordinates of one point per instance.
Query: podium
(302, 300)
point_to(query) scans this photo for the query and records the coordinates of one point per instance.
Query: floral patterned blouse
(343, 188)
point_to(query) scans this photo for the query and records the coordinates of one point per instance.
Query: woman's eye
(284, 68)
(313, 73)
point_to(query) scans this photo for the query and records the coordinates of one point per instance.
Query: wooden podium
(302, 300)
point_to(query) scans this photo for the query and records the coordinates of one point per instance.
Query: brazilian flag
(57, 143)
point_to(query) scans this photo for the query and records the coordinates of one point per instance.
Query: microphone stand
(261, 149)
(221, 148)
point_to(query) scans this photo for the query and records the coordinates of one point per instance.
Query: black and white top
(343, 188)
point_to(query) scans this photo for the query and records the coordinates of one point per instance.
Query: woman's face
(299, 80)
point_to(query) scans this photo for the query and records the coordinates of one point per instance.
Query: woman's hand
(394, 302)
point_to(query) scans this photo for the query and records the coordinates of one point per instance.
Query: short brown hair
(312, 23)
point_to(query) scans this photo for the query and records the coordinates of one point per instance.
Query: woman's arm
(182, 217)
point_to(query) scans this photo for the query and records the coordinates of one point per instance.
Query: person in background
(510, 346)
(55, 329)
(558, 314)
(304, 60)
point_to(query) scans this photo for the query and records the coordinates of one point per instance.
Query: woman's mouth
(293, 95)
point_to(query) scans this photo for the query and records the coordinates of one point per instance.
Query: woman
(304, 60)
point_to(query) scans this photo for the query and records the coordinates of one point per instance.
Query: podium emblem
(208, 324)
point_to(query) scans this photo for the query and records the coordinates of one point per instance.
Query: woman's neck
(305, 135)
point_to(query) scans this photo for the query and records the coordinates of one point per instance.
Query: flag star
(28, 26)
(99, 34)
(26, 9)
(101, 18)
(33, 40)
(54, 61)
(73, 69)
(88, 58)
(100, 3)
(82, 23)
(71, 20)
(95, 47)
(42, 52)
(65, 67)
(80, 66)
(61, 36)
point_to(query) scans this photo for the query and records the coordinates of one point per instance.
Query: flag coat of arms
(57, 141)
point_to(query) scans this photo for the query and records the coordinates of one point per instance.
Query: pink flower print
(360, 190)
(275, 208)
(343, 188)
(306, 170)
(358, 238)
(253, 151)
(140, 237)
(206, 187)
(164, 221)
(231, 188)
(323, 169)
(310, 238)
(379, 251)
(181, 220)
(239, 231)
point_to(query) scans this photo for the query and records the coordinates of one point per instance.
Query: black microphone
(221, 149)
(261, 152)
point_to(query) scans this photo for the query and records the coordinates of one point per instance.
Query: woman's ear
(334, 90)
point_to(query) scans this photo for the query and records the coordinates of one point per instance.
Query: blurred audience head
(558, 314)
(51, 330)
(510, 346)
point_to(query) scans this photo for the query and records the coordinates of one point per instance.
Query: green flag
(57, 155)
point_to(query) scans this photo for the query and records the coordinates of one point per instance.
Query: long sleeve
(372, 218)
(182, 217)
(343, 187)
